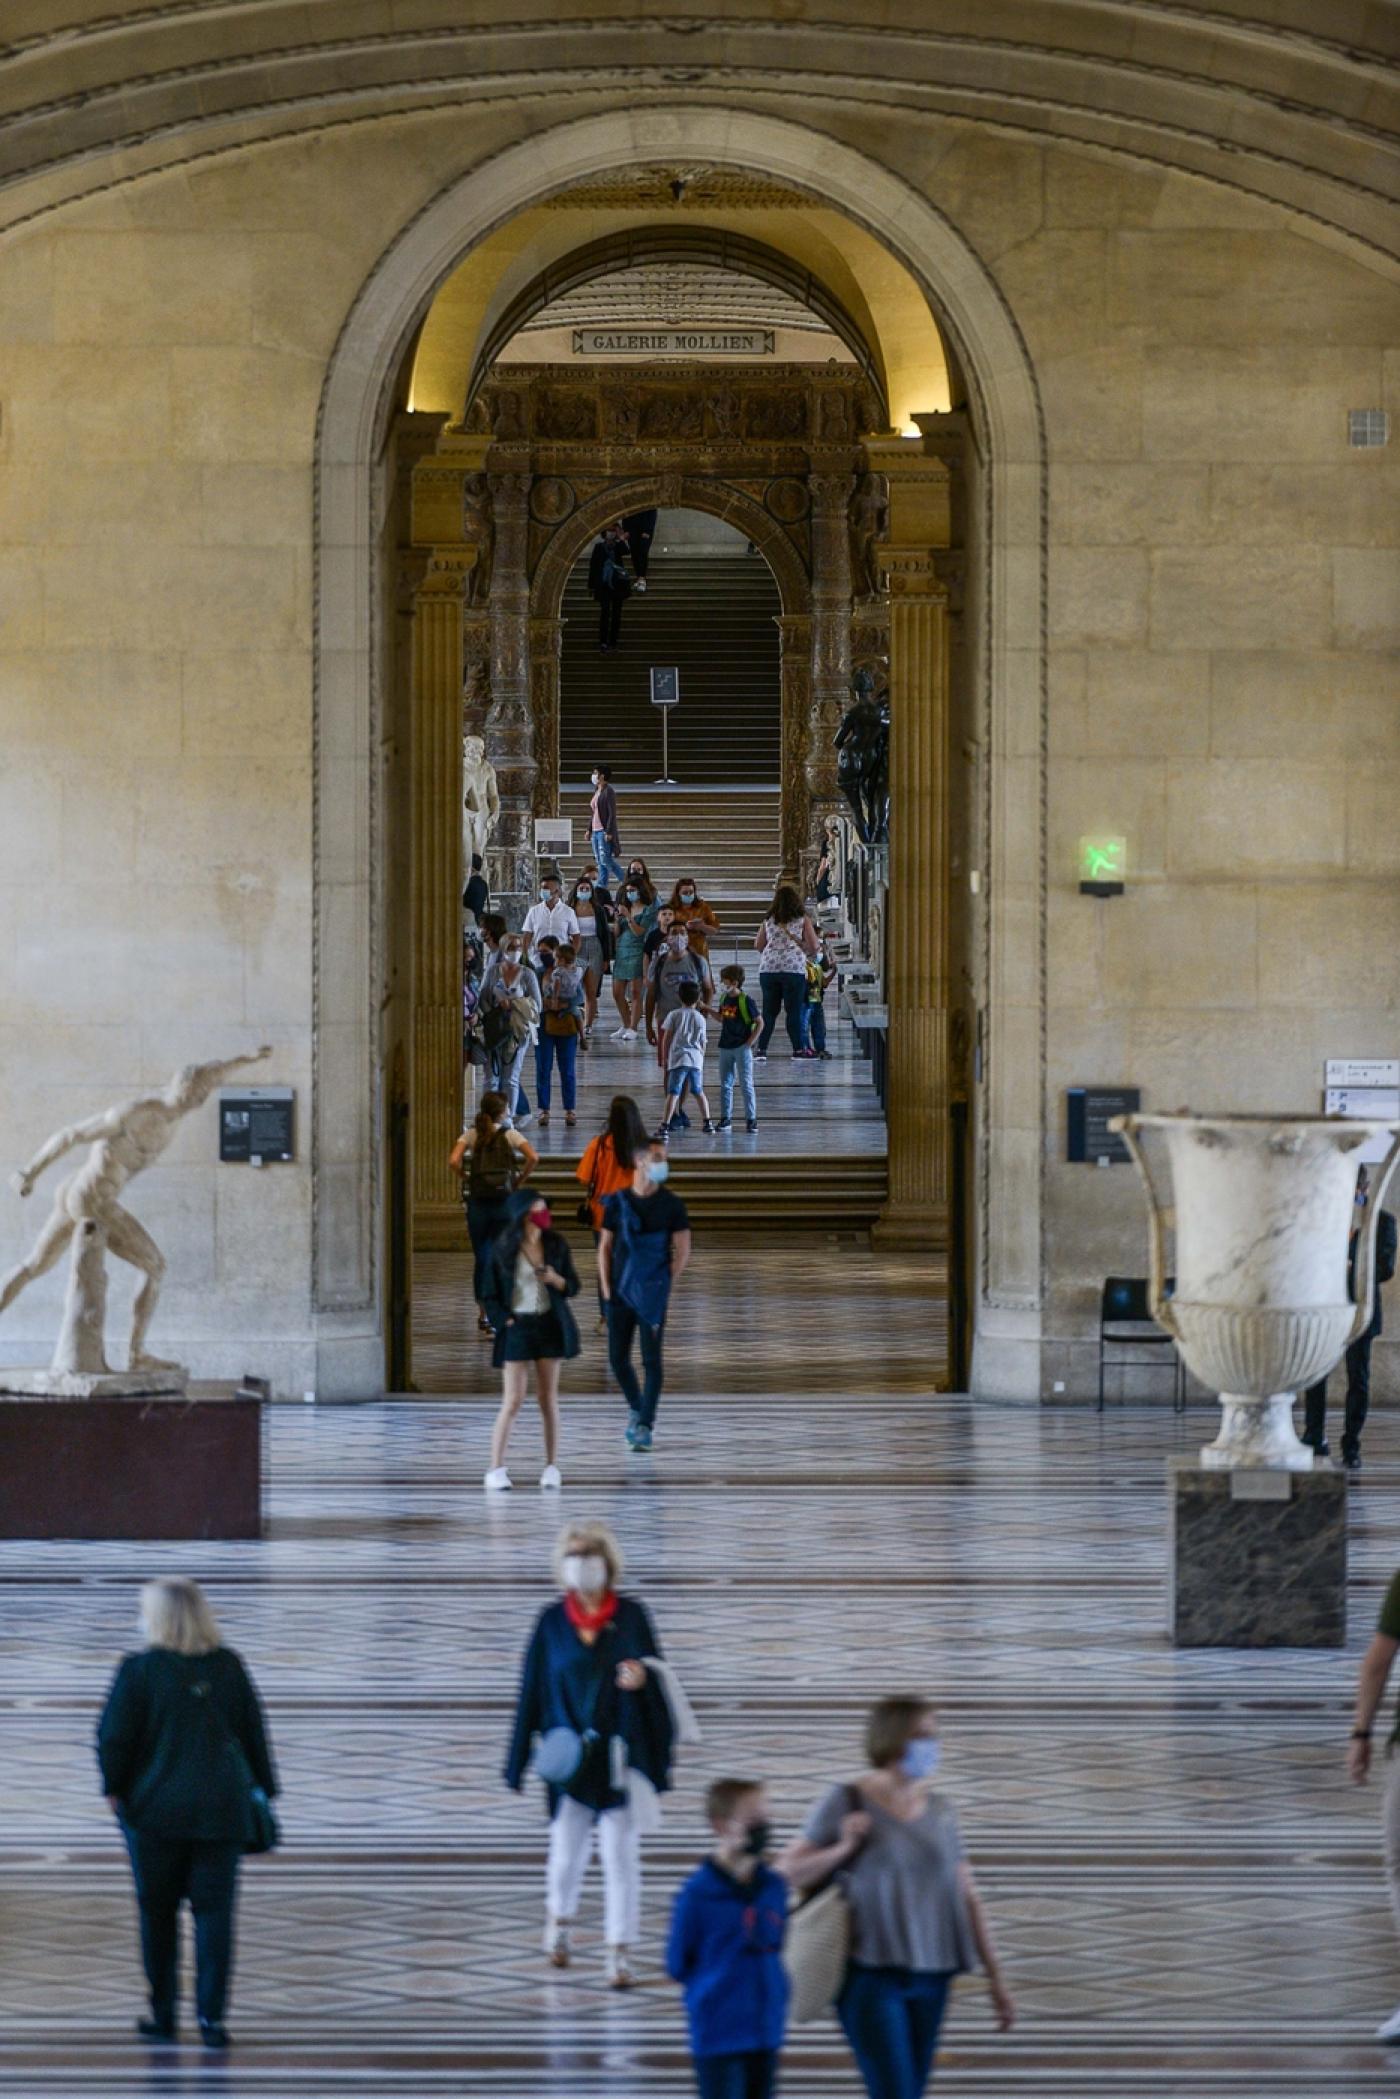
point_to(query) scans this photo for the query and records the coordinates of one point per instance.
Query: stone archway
(1006, 541)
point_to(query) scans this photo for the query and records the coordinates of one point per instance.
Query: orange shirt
(699, 921)
(600, 1158)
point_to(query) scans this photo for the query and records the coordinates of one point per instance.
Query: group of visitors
(891, 1916)
(524, 1276)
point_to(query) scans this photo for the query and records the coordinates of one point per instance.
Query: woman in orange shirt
(689, 909)
(608, 1164)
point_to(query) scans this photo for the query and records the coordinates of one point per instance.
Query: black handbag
(264, 1832)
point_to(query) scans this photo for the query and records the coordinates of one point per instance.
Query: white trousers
(571, 1836)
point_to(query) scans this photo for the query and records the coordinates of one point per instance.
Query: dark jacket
(567, 1684)
(1386, 1249)
(476, 897)
(607, 814)
(604, 911)
(164, 1744)
(498, 1280)
(606, 575)
(725, 1950)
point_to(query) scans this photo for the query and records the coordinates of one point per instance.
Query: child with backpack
(821, 971)
(740, 1023)
(561, 1029)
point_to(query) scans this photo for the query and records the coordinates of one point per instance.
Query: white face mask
(586, 1572)
(583, 895)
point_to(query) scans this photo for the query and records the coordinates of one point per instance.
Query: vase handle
(1366, 1245)
(1159, 1303)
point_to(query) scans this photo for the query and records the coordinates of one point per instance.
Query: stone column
(510, 733)
(546, 645)
(831, 653)
(437, 877)
(917, 967)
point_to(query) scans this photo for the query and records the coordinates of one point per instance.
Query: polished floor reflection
(1188, 1892)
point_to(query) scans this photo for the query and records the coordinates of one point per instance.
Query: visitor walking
(1376, 1665)
(689, 909)
(187, 1770)
(493, 1159)
(476, 897)
(510, 1013)
(607, 1165)
(609, 583)
(551, 915)
(493, 935)
(643, 1251)
(785, 941)
(636, 915)
(560, 1033)
(593, 907)
(739, 1025)
(674, 965)
(1358, 1356)
(529, 1279)
(917, 1920)
(725, 1949)
(640, 529)
(683, 1054)
(596, 1717)
(602, 825)
(821, 974)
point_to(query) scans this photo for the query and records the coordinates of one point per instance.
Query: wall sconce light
(1103, 862)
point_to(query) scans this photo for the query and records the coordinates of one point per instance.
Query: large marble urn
(1262, 1208)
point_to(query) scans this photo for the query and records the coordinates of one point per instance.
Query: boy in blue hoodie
(725, 1949)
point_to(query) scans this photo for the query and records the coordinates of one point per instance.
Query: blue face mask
(920, 1759)
(659, 1169)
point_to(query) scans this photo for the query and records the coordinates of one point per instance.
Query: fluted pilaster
(437, 874)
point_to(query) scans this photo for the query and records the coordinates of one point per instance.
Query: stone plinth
(150, 1467)
(1258, 1558)
(92, 1384)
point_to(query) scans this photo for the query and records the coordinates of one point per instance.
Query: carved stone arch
(717, 498)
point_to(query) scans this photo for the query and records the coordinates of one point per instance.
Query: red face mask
(541, 1218)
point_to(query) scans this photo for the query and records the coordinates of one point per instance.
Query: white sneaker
(641, 586)
(521, 1120)
(551, 1477)
(618, 1035)
(497, 1481)
(628, 1035)
(1391, 2029)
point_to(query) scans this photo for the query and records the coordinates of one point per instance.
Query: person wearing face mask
(593, 1673)
(594, 911)
(529, 1279)
(725, 1949)
(689, 909)
(636, 916)
(917, 1919)
(643, 1251)
(550, 915)
(602, 825)
(510, 1007)
(674, 965)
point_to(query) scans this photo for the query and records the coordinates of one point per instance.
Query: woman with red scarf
(586, 1676)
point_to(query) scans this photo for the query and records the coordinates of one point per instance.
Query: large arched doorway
(1005, 658)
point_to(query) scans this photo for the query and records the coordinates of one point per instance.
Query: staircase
(726, 837)
(710, 614)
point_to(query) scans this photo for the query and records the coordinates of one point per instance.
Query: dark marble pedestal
(184, 1467)
(1258, 1559)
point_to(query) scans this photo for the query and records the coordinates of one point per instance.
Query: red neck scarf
(586, 1620)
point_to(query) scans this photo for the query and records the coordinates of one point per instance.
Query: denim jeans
(607, 861)
(506, 1063)
(623, 1324)
(814, 1028)
(784, 991)
(891, 2017)
(737, 1063)
(564, 1048)
(752, 2075)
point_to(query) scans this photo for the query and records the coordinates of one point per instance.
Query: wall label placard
(1090, 1110)
(554, 837)
(1362, 1071)
(256, 1124)
(673, 342)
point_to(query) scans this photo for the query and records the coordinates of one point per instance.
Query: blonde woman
(588, 1697)
(181, 1744)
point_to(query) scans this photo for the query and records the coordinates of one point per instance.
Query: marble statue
(88, 1214)
(863, 759)
(481, 798)
(1263, 1213)
(869, 522)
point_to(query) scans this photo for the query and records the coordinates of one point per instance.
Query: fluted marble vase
(1262, 1208)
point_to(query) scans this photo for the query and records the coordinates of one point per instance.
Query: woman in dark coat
(181, 1743)
(587, 1670)
(528, 1281)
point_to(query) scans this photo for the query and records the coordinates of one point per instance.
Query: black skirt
(533, 1336)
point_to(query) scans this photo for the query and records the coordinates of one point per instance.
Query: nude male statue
(481, 798)
(124, 1139)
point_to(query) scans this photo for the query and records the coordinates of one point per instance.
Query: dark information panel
(256, 1125)
(1091, 1109)
(665, 685)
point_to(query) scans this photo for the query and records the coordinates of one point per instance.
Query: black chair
(1124, 1304)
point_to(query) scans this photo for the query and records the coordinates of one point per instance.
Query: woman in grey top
(916, 1917)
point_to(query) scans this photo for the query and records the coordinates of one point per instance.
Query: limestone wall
(1224, 604)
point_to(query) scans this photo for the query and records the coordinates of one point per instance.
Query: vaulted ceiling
(1294, 100)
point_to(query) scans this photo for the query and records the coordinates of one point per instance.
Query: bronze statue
(863, 758)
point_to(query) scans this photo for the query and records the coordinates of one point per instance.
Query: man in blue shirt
(725, 1949)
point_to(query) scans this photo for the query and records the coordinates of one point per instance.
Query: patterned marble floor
(1187, 1890)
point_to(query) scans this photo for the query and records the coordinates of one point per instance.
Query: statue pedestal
(153, 1465)
(1258, 1558)
(92, 1384)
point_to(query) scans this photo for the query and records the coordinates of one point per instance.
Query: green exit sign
(1103, 859)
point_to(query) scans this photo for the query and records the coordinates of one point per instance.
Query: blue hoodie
(725, 1950)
